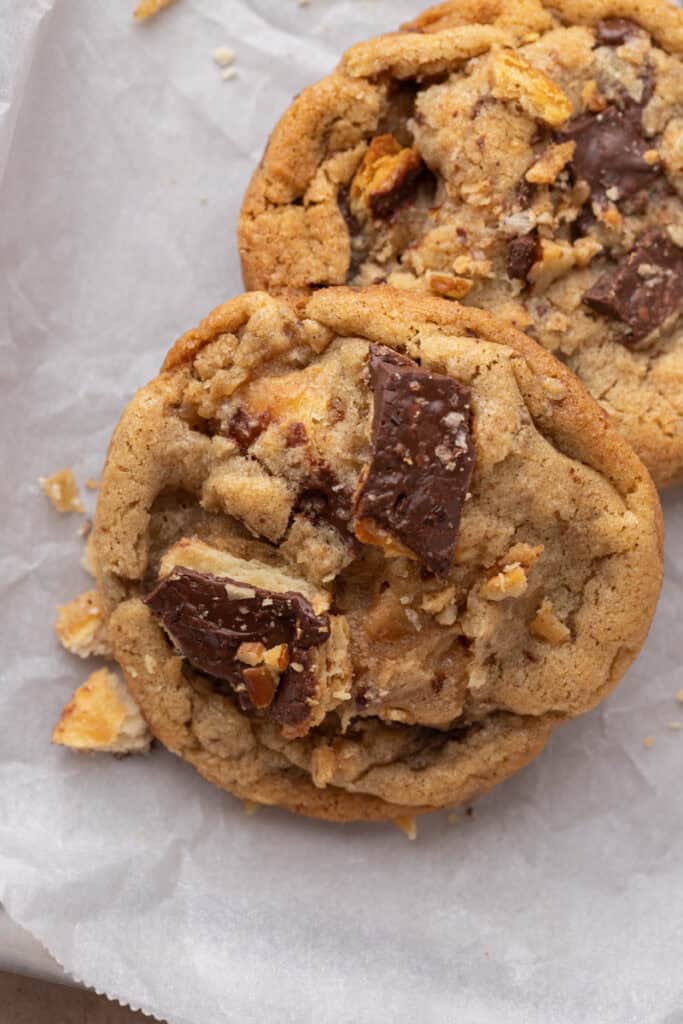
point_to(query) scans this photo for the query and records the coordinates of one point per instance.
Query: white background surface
(560, 901)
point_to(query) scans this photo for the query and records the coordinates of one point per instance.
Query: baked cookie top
(525, 157)
(360, 561)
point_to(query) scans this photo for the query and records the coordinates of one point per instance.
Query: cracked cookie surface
(360, 561)
(521, 156)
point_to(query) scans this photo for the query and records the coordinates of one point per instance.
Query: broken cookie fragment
(386, 178)
(413, 491)
(644, 290)
(81, 628)
(103, 717)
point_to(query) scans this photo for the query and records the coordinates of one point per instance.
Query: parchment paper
(123, 158)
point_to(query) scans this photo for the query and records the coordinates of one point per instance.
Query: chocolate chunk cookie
(360, 560)
(519, 155)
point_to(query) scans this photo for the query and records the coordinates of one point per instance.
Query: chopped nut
(550, 163)
(439, 601)
(148, 8)
(384, 178)
(591, 98)
(546, 625)
(514, 78)
(651, 156)
(261, 685)
(407, 825)
(62, 490)
(556, 259)
(102, 716)
(368, 532)
(250, 653)
(448, 286)
(585, 249)
(649, 741)
(511, 581)
(81, 628)
(277, 657)
(524, 554)
(323, 765)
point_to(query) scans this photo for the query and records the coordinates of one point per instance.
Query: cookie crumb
(92, 484)
(62, 490)
(103, 717)
(679, 696)
(674, 726)
(250, 807)
(228, 74)
(648, 742)
(148, 8)
(223, 55)
(407, 825)
(81, 628)
(303, 3)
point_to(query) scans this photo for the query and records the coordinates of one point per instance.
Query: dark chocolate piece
(295, 435)
(644, 289)
(209, 617)
(344, 203)
(422, 457)
(522, 254)
(398, 188)
(245, 427)
(609, 151)
(615, 31)
(323, 497)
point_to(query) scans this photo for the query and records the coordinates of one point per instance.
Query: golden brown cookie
(360, 561)
(522, 156)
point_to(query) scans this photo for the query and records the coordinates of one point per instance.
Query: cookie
(524, 157)
(361, 560)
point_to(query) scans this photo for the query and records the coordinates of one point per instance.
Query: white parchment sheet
(123, 158)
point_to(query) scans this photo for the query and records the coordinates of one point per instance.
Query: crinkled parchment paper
(123, 157)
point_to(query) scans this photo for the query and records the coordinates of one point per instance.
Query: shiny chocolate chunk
(609, 152)
(210, 617)
(522, 254)
(614, 31)
(645, 288)
(422, 458)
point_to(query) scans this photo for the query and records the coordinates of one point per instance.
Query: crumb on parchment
(649, 741)
(91, 483)
(103, 717)
(407, 825)
(148, 8)
(679, 696)
(62, 490)
(81, 628)
(250, 807)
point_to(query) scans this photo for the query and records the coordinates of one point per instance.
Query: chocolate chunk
(522, 254)
(295, 435)
(323, 497)
(344, 203)
(245, 427)
(644, 289)
(422, 458)
(524, 193)
(209, 617)
(615, 31)
(609, 151)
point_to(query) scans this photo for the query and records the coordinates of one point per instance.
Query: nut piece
(546, 625)
(250, 653)
(80, 626)
(511, 581)
(553, 160)
(62, 490)
(261, 685)
(384, 179)
(407, 825)
(147, 8)
(448, 286)
(514, 78)
(102, 716)
(323, 766)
